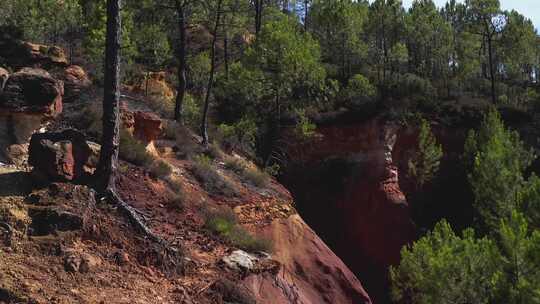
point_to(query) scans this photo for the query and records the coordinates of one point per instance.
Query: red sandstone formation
(30, 98)
(309, 271)
(147, 126)
(59, 156)
(367, 219)
(75, 82)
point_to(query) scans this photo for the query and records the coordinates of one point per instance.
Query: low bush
(186, 145)
(251, 175)
(177, 196)
(209, 178)
(235, 164)
(160, 169)
(223, 222)
(170, 128)
(177, 201)
(133, 151)
(256, 177)
(233, 293)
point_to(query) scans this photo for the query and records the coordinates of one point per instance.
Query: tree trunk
(204, 123)
(182, 62)
(491, 69)
(110, 141)
(146, 83)
(306, 15)
(226, 53)
(258, 16)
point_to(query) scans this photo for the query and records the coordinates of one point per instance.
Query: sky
(528, 8)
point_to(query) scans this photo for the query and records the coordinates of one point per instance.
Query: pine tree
(110, 141)
(498, 159)
(424, 165)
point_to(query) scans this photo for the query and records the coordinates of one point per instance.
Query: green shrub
(251, 175)
(256, 177)
(170, 128)
(133, 151)
(359, 90)
(304, 129)
(209, 178)
(160, 169)
(214, 151)
(244, 240)
(407, 85)
(223, 222)
(273, 170)
(191, 113)
(177, 196)
(240, 135)
(235, 164)
(186, 146)
(177, 201)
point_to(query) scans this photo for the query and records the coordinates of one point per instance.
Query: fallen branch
(169, 256)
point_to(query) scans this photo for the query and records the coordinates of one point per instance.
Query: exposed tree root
(168, 257)
(8, 234)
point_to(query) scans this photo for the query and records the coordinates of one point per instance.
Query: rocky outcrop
(155, 84)
(76, 81)
(30, 98)
(309, 271)
(17, 53)
(345, 183)
(59, 156)
(147, 128)
(32, 91)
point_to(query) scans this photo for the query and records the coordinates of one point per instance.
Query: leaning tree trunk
(110, 141)
(182, 62)
(204, 123)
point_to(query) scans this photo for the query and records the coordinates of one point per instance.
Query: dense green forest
(244, 68)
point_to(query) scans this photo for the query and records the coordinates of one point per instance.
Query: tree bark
(306, 6)
(491, 69)
(259, 5)
(182, 63)
(204, 123)
(226, 52)
(110, 142)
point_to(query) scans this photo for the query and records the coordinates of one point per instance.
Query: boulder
(59, 156)
(44, 54)
(32, 91)
(76, 81)
(148, 126)
(31, 97)
(240, 260)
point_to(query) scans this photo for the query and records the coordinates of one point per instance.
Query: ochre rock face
(346, 186)
(59, 156)
(147, 126)
(309, 271)
(32, 91)
(155, 84)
